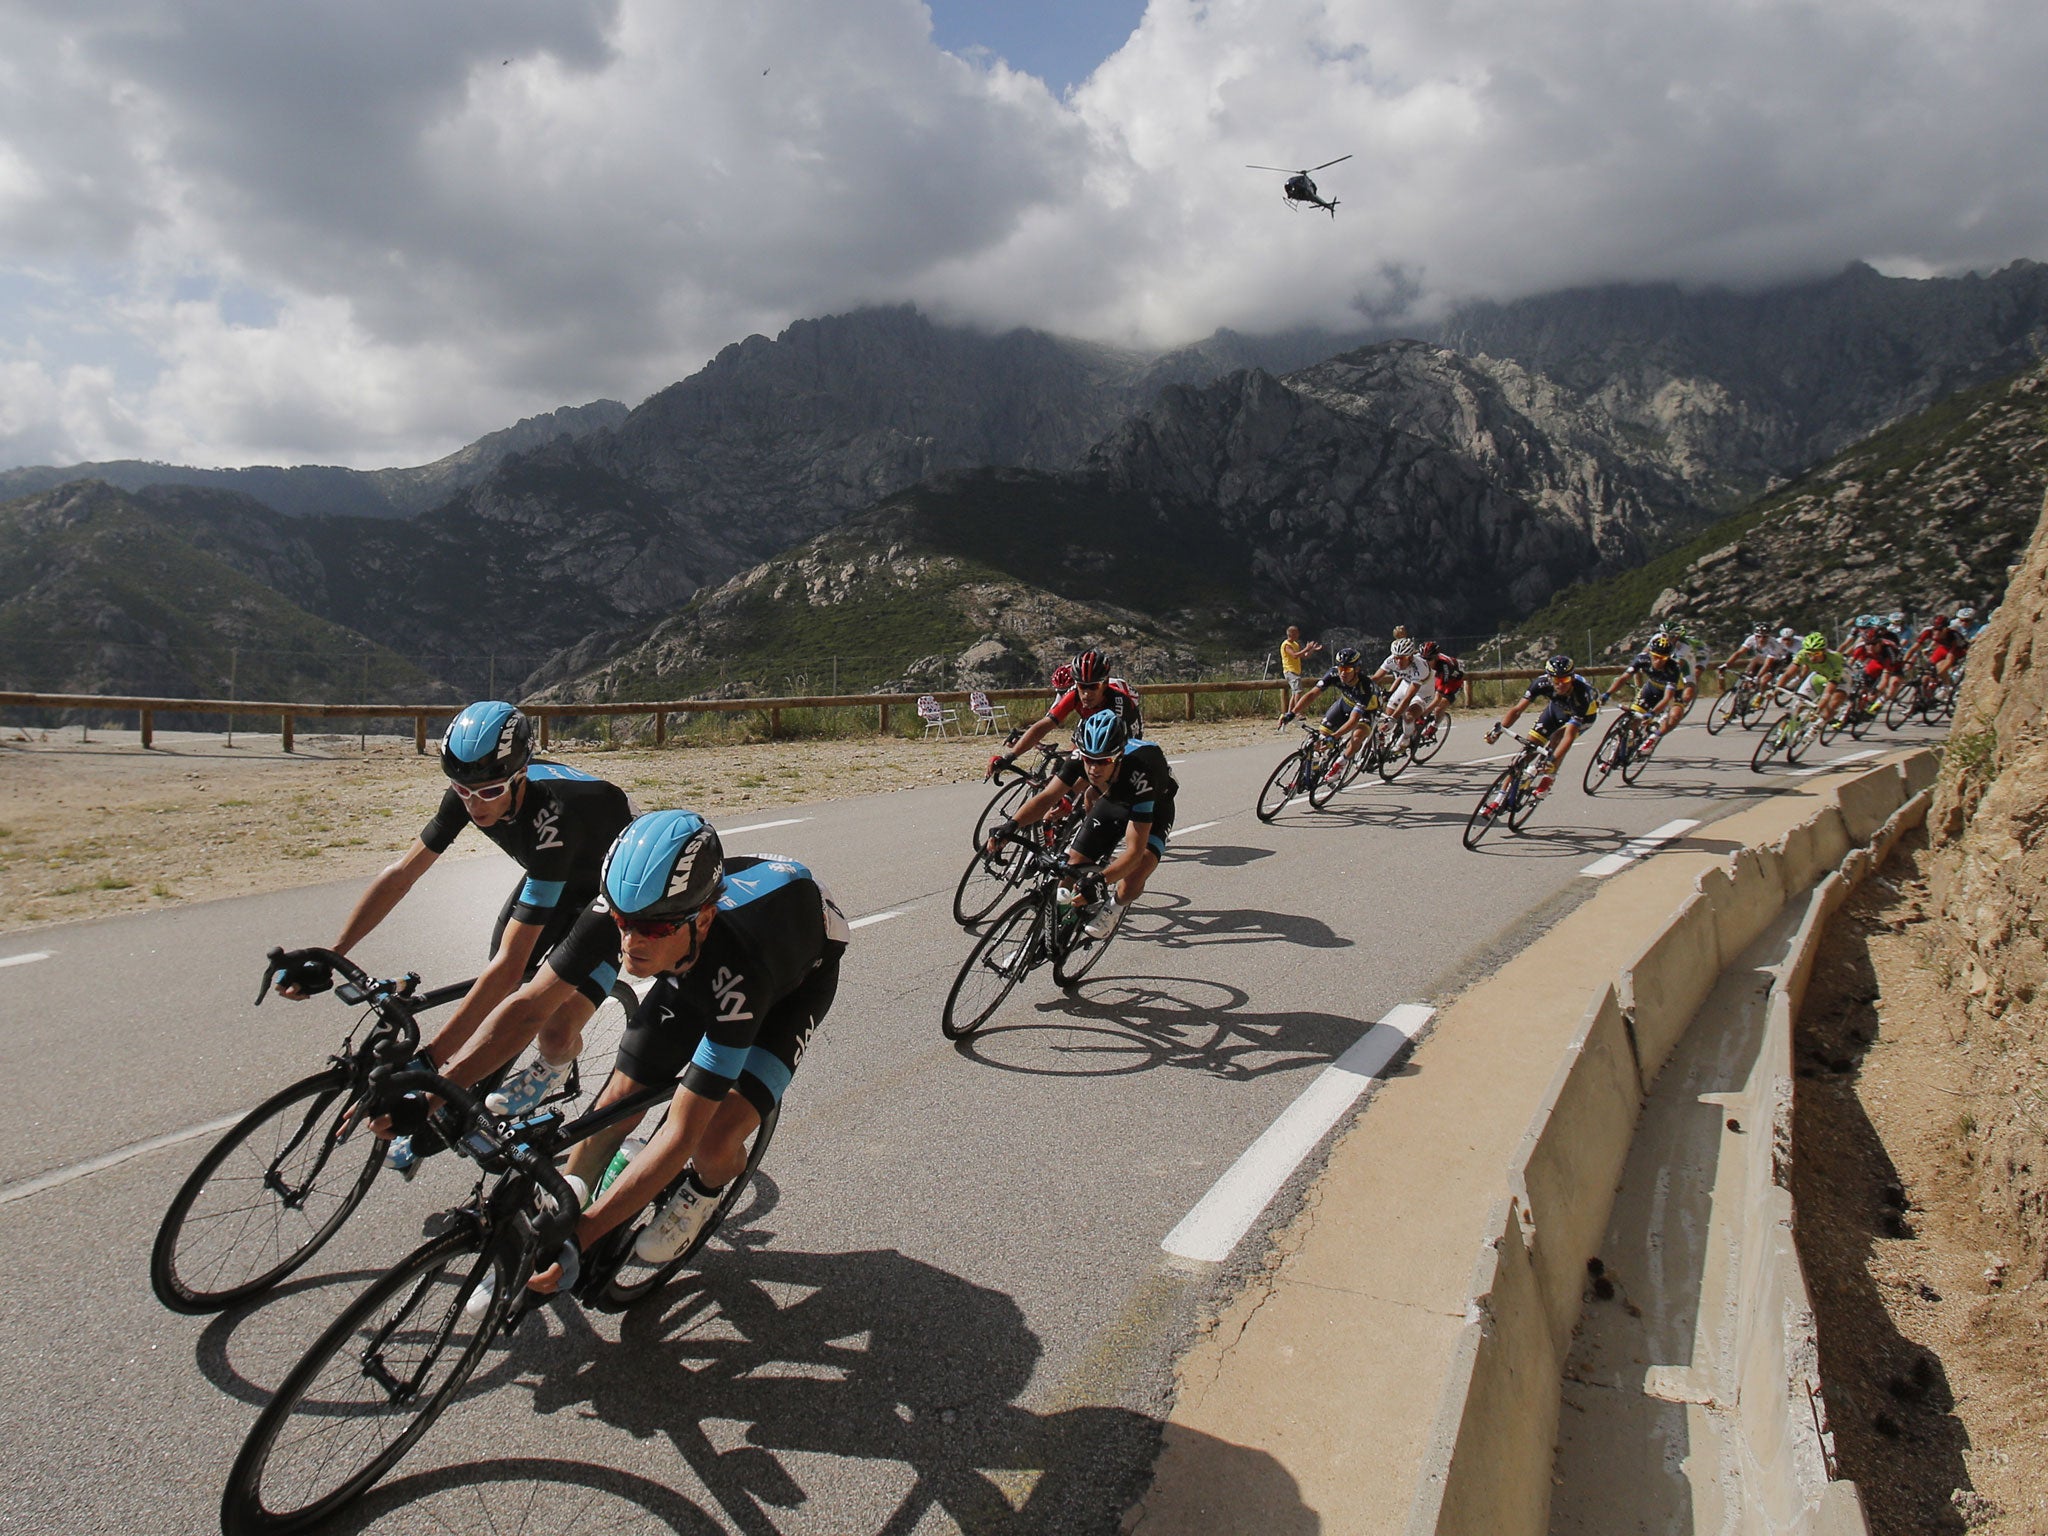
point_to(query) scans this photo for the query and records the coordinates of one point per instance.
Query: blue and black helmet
(665, 864)
(1559, 665)
(487, 742)
(1102, 734)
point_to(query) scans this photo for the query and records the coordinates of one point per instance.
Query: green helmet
(1816, 641)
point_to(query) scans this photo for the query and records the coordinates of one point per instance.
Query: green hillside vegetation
(1928, 512)
(98, 595)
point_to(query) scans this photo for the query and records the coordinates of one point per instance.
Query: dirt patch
(1933, 1340)
(91, 825)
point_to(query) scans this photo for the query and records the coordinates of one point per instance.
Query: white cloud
(455, 214)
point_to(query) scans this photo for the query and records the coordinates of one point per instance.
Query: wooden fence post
(419, 735)
(544, 733)
(1191, 703)
(286, 732)
(774, 723)
(885, 717)
(660, 727)
(148, 729)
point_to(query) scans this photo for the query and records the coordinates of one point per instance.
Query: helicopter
(1300, 188)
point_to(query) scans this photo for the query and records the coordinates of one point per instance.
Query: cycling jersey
(776, 941)
(1574, 694)
(1878, 654)
(1946, 639)
(1142, 789)
(1665, 672)
(1116, 695)
(1364, 692)
(565, 822)
(1406, 669)
(1828, 665)
(1449, 672)
(1770, 648)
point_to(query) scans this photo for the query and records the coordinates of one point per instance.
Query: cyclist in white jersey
(1408, 678)
(1767, 651)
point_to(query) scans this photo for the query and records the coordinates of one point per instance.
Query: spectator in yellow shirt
(1292, 654)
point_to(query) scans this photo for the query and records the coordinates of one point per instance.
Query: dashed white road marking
(28, 959)
(875, 917)
(21, 1189)
(1197, 827)
(1829, 767)
(1498, 757)
(762, 826)
(1223, 1216)
(1635, 848)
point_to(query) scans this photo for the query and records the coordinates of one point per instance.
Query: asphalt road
(946, 1306)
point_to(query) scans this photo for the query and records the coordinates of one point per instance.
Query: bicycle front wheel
(999, 960)
(1768, 745)
(1286, 782)
(1726, 708)
(1606, 757)
(1002, 803)
(265, 1199)
(634, 1280)
(987, 879)
(1493, 806)
(368, 1388)
(1431, 738)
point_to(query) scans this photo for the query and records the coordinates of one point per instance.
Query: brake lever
(271, 964)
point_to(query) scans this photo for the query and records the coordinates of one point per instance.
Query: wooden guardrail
(289, 714)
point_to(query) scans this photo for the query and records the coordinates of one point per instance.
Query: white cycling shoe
(527, 1087)
(1103, 923)
(688, 1212)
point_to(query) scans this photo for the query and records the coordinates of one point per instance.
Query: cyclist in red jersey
(1093, 690)
(1449, 674)
(1877, 651)
(1944, 644)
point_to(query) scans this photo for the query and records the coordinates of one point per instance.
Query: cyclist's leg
(653, 1052)
(777, 1050)
(1132, 885)
(588, 959)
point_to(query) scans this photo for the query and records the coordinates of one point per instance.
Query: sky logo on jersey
(545, 833)
(732, 1002)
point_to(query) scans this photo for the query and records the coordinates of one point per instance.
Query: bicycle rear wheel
(1393, 748)
(1077, 952)
(1431, 738)
(1750, 710)
(1800, 738)
(1638, 757)
(265, 1199)
(1493, 805)
(634, 1279)
(1000, 959)
(368, 1388)
(1287, 782)
(1002, 803)
(1607, 756)
(986, 881)
(1524, 803)
(1329, 773)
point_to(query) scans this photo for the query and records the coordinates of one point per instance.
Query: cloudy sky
(366, 231)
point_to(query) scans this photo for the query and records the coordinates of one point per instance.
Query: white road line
(1175, 762)
(28, 959)
(1197, 827)
(874, 917)
(1829, 767)
(762, 826)
(1223, 1216)
(1635, 848)
(1498, 757)
(22, 1189)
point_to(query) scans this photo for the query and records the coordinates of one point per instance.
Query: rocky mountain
(99, 593)
(1922, 515)
(1748, 388)
(310, 489)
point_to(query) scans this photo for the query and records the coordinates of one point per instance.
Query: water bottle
(628, 1150)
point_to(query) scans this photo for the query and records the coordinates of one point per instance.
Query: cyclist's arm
(1039, 806)
(384, 893)
(1514, 711)
(499, 981)
(689, 1117)
(1299, 708)
(514, 1022)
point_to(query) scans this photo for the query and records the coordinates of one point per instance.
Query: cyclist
(1569, 706)
(1876, 651)
(555, 822)
(1969, 624)
(1766, 651)
(1407, 672)
(1351, 713)
(1449, 675)
(1819, 666)
(1660, 685)
(1093, 689)
(1944, 641)
(745, 953)
(1130, 791)
(1690, 652)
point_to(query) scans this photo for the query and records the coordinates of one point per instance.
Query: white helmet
(1966, 613)
(1404, 646)
(1787, 634)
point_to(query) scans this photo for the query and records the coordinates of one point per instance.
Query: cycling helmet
(1761, 631)
(1063, 677)
(1429, 650)
(665, 864)
(1347, 657)
(486, 743)
(1938, 621)
(1966, 613)
(1816, 641)
(1895, 618)
(1090, 669)
(1404, 647)
(1660, 644)
(1102, 734)
(1559, 665)
(1786, 633)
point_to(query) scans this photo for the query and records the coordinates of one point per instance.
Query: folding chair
(987, 716)
(936, 717)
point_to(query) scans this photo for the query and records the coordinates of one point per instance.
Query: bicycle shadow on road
(1217, 855)
(764, 1363)
(1116, 1025)
(1170, 921)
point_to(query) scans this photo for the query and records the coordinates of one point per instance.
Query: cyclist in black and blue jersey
(1351, 713)
(556, 822)
(745, 953)
(1569, 706)
(1660, 678)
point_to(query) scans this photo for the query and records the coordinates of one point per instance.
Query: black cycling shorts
(598, 969)
(1556, 715)
(1338, 715)
(653, 1052)
(1101, 829)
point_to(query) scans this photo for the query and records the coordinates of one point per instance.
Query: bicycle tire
(1943, 705)
(1831, 726)
(1770, 743)
(1862, 715)
(187, 1282)
(1393, 752)
(633, 1281)
(1322, 787)
(1754, 706)
(1898, 709)
(1000, 805)
(1283, 784)
(430, 1284)
(1524, 804)
(1422, 751)
(1638, 755)
(1726, 708)
(1803, 733)
(990, 959)
(1605, 756)
(1488, 813)
(985, 882)
(1069, 971)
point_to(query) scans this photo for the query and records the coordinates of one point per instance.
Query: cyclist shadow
(1217, 856)
(1168, 919)
(767, 1359)
(1116, 1025)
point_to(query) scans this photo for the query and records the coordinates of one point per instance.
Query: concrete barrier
(1488, 1465)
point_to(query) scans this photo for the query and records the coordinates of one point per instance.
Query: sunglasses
(486, 792)
(1098, 762)
(653, 927)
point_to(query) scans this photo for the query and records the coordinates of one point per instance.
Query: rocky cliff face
(1990, 885)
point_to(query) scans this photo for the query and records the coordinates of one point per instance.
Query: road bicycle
(1430, 737)
(1927, 694)
(376, 1379)
(1035, 928)
(1017, 786)
(992, 876)
(1304, 773)
(1513, 795)
(281, 1181)
(1625, 749)
(1388, 747)
(1856, 713)
(1742, 703)
(1790, 734)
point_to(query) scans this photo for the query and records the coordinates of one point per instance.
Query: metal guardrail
(289, 714)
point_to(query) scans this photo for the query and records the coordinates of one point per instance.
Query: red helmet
(1429, 650)
(1063, 677)
(1090, 669)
